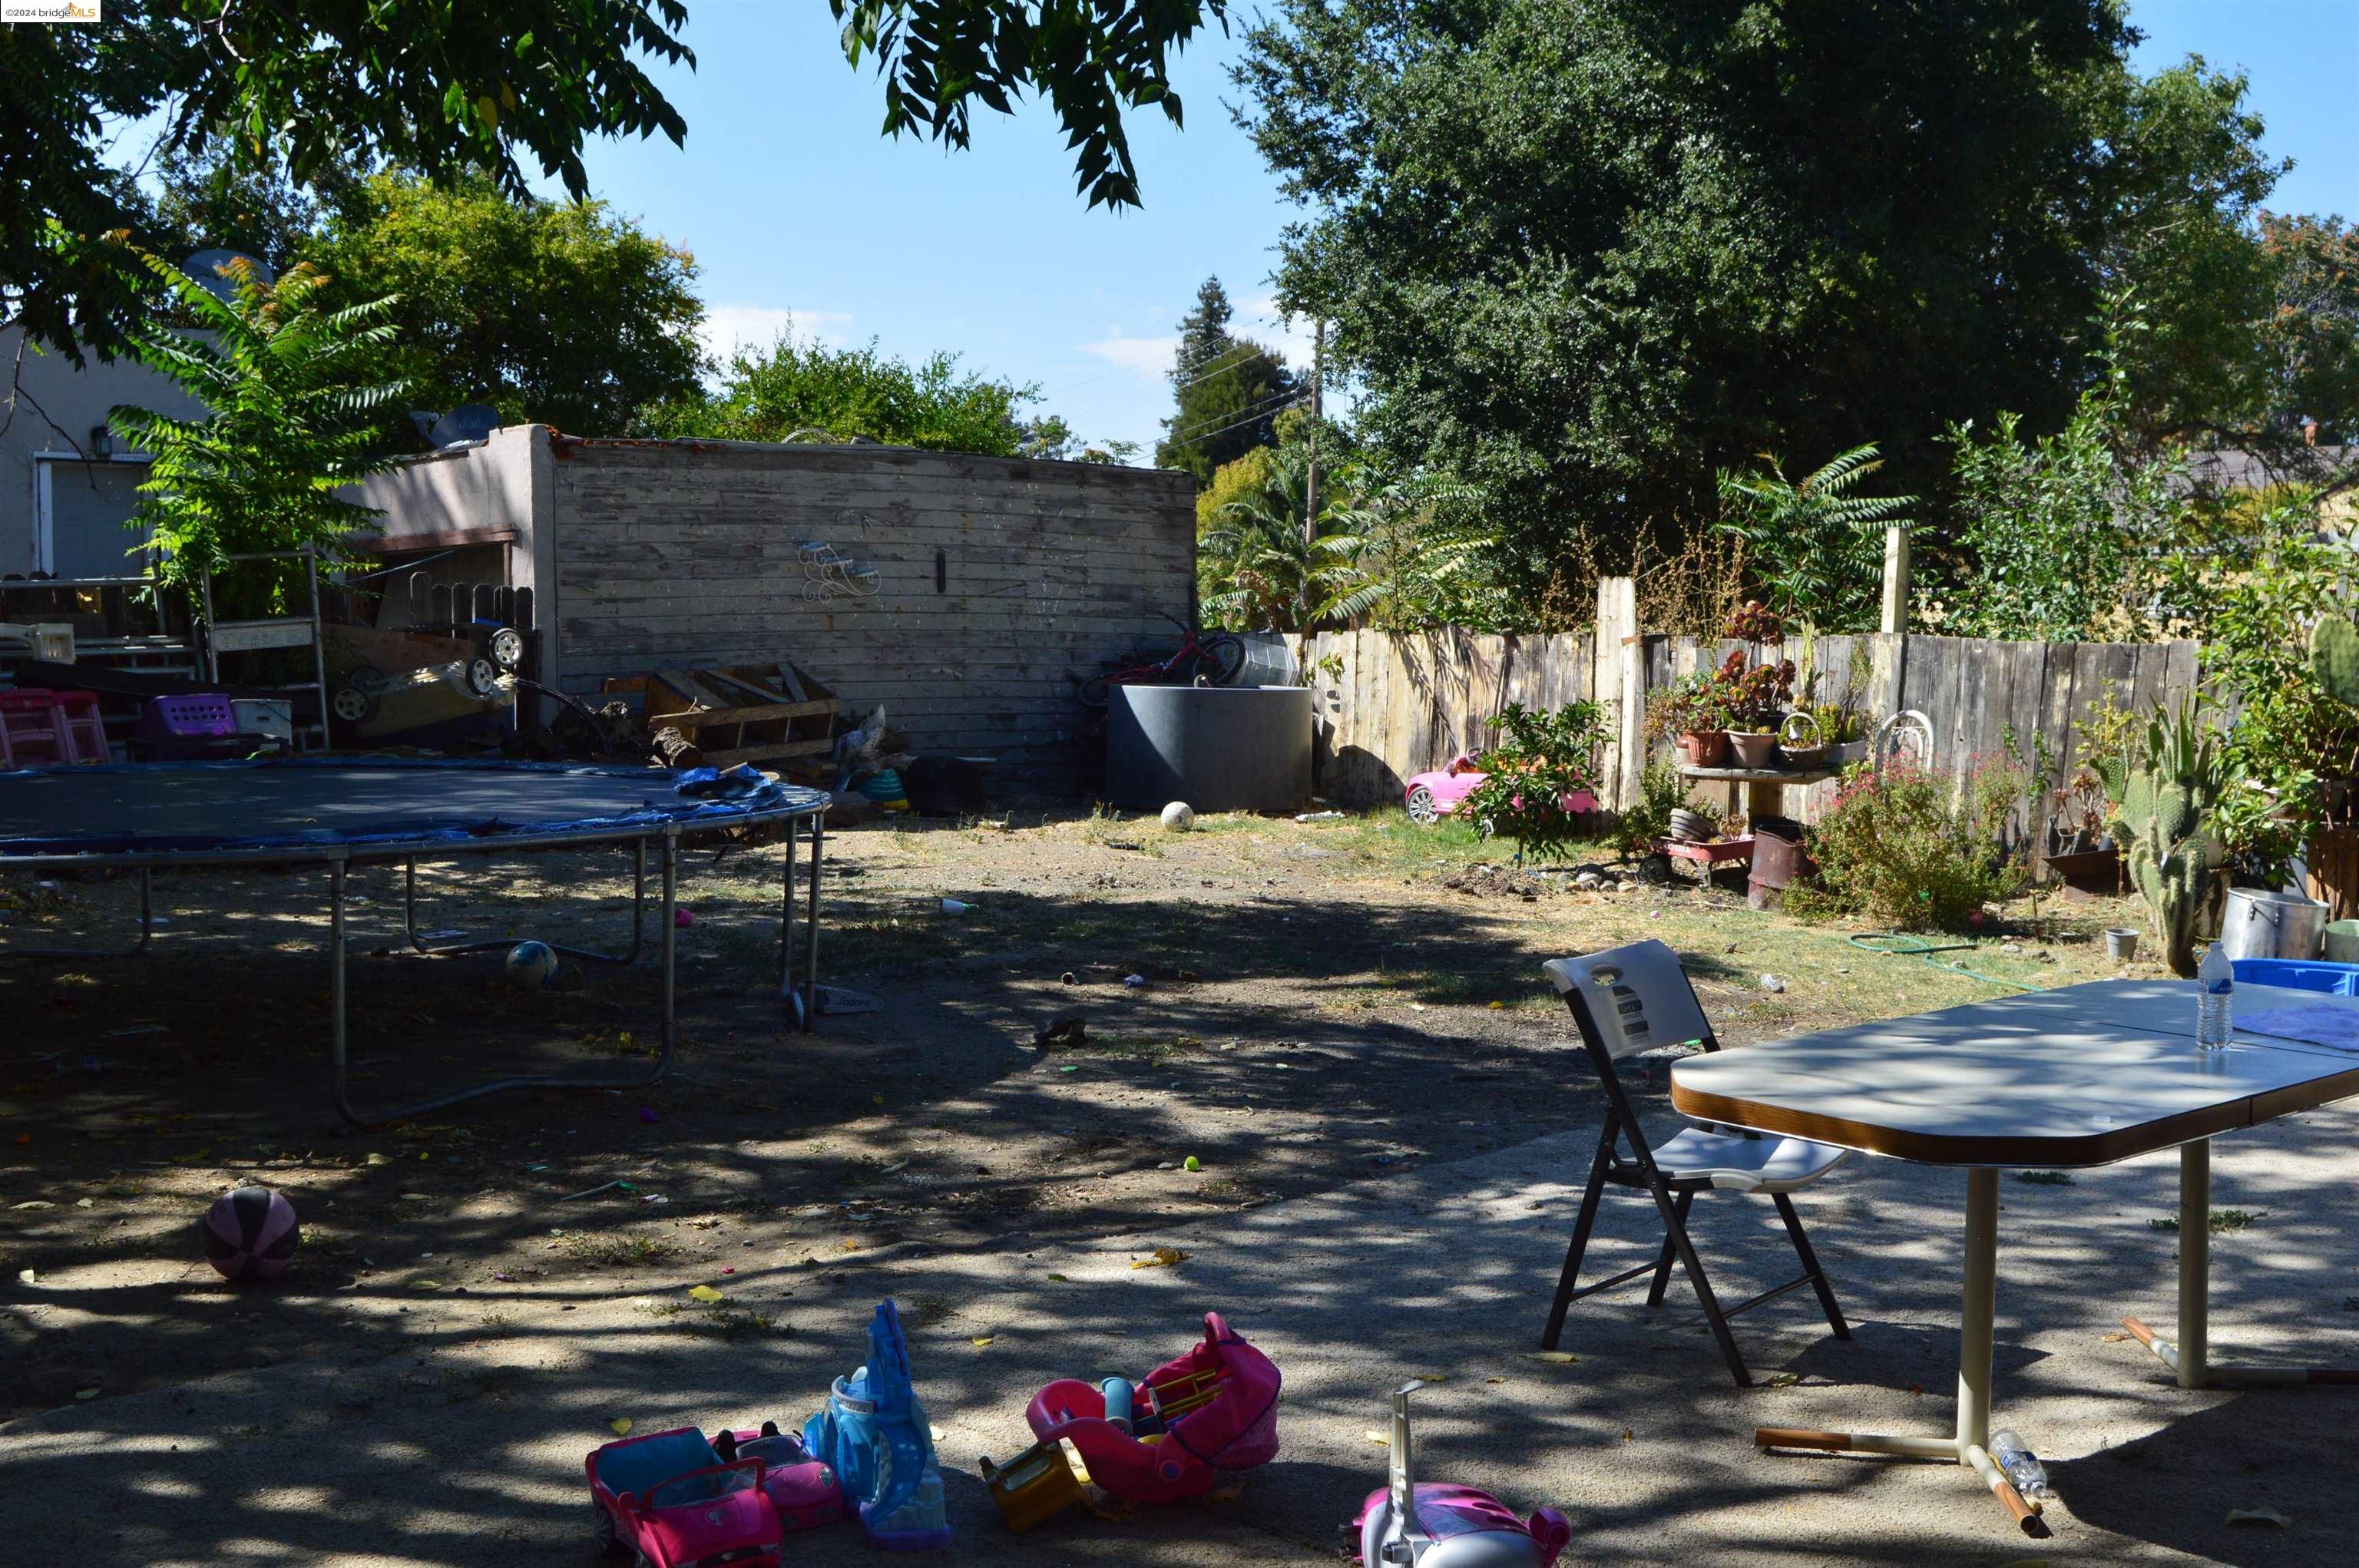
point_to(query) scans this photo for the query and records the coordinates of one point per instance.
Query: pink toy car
(1432, 796)
(803, 1492)
(672, 1500)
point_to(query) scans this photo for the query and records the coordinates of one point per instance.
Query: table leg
(2191, 1357)
(1970, 1445)
(810, 928)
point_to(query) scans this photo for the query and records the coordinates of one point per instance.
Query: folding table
(2079, 1076)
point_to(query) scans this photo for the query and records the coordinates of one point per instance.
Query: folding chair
(1636, 998)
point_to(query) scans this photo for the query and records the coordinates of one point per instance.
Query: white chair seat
(1736, 1163)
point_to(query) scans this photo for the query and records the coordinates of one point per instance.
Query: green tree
(808, 391)
(1815, 547)
(1228, 406)
(1204, 332)
(2049, 531)
(1584, 254)
(2181, 185)
(490, 88)
(292, 388)
(2310, 344)
(557, 311)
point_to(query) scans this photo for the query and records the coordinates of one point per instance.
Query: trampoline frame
(340, 858)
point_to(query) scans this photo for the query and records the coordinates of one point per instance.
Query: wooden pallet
(761, 712)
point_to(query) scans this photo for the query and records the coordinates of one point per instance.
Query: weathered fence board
(1390, 706)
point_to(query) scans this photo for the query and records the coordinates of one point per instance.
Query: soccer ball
(532, 966)
(1179, 816)
(250, 1234)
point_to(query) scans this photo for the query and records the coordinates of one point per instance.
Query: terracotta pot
(1753, 750)
(1705, 748)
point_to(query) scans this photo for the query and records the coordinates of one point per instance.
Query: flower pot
(2121, 944)
(1705, 748)
(1753, 751)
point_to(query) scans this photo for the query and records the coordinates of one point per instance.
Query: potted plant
(1693, 709)
(2080, 853)
(1756, 706)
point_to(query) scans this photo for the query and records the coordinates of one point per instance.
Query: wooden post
(1896, 580)
(1615, 679)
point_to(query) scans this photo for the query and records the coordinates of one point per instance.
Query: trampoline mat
(299, 805)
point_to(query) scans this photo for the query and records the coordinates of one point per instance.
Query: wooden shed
(964, 594)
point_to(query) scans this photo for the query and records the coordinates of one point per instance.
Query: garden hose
(1917, 948)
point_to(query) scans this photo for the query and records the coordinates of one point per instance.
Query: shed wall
(668, 555)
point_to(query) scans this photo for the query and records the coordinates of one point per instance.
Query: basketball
(250, 1234)
(1179, 816)
(531, 966)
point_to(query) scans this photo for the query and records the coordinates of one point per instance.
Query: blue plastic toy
(875, 1435)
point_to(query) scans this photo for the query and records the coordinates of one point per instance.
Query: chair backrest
(1633, 999)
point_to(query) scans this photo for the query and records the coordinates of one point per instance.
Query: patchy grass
(609, 1250)
(2221, 1222)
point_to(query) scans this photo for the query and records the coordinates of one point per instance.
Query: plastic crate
(2299, 974)
(201, 716)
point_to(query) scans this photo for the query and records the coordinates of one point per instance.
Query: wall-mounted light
(101, 441)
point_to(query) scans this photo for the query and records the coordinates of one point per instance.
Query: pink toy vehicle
(1409, 1523)
(670, 1498)
(1212, 1410)
(1432, 796)
(803, 1492)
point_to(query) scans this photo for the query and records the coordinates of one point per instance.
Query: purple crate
(203, 715)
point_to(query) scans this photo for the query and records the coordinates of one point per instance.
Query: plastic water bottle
(2216, 1002)
(2024, 1471)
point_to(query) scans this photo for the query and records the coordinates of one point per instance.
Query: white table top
(2080, 1076)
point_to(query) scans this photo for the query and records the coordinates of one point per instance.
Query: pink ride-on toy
(669, 1497)
(1213, 1410)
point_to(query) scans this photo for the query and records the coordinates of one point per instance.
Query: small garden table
(2082, 1075)
(1765, 788)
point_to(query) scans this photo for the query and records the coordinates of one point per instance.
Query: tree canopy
(559, 311)
(806, 390)
(487, 89)
(1583, 253)
(1227, 391)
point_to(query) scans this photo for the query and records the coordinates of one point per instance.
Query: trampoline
(341, 812)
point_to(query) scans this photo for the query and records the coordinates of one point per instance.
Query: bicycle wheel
(1219, 660)
(1093, 692)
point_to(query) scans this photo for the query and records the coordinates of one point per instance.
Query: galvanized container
(2261, 924)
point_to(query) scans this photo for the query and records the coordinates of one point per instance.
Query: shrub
(1896, 848)
(1661, 789)
(1539, 759)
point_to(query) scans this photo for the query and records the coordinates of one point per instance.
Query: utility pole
(1318, 384)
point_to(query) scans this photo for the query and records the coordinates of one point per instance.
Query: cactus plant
(2165, 807)
(2335, 658)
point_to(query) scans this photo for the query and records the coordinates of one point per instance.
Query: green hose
(1917, 948)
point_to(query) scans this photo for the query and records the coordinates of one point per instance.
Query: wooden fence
(1391, 705)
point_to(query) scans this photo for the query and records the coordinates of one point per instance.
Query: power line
(1177, 387)
(1253, 419)
(1280, 396)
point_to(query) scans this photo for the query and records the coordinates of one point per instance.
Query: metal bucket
(2259, 924)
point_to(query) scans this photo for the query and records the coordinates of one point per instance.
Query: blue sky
(795, 206)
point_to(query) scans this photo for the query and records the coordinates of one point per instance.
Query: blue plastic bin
(2299, 974)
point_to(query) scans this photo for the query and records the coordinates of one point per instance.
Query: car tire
(602, 1531)
(1421, 806)
(352, 704)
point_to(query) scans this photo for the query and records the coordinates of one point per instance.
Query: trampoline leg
(786, 915)
(671, 855)
(810, 925)
(146, 932)
(492, 944)
(668, 857)
(338, 1054)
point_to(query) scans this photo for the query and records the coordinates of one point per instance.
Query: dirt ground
(1315, 1004)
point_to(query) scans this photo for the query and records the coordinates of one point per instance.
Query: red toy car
(1435, 795)
(675, 1499)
